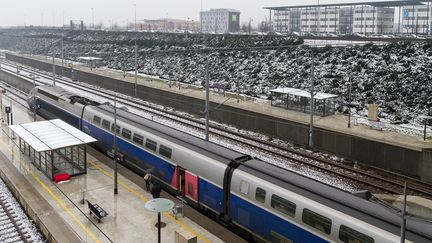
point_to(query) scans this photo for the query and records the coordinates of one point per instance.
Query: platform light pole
(136, 56)
(349, 100)
(34, 98)
(403, 224)
(115, 145)
(207, 105)
(312, 103)
(53, 68)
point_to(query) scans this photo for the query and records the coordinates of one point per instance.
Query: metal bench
(97, 211)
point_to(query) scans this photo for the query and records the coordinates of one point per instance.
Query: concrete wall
(13, 80)
(398, 159)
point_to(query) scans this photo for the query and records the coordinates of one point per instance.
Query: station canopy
(90, 58)
(51, 135)
(303, 93)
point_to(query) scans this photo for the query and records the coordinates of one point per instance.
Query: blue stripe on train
(209, 194)
(261, 222)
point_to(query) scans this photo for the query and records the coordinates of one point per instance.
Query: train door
(191, 183)
(181, 181)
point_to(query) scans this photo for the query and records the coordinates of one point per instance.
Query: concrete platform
(128, 221)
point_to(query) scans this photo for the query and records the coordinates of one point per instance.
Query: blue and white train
(263, 202)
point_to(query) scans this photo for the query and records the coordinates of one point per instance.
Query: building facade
(167, 25)
(373, 20)
(220, 20)
(373, 17)
(346, 20)
(416, 19)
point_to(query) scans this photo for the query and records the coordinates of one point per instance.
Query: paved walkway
(128, 221)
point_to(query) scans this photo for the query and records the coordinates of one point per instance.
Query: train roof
(365, 210)
(191, 142)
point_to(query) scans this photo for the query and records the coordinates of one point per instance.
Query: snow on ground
(21, 217)
(396, 76)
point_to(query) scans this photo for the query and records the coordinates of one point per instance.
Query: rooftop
(398, 3)
(303, 93)
(50, 135)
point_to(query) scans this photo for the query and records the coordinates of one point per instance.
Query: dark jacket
(156, 189)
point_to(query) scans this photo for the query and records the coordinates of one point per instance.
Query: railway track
(299, 161)
(14, 225)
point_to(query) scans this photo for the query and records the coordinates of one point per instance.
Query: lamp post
(425, 118)
(115, 145)
(136, 57)
(92, 9)
(349, 101)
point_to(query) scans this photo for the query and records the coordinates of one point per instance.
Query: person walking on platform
(156, 189)
(147, 179)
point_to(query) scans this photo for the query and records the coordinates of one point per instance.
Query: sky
(50, 12)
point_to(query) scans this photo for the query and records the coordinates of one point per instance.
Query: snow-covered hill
(397, 76)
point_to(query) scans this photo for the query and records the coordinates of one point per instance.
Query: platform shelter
(300, 100)
(54, 147)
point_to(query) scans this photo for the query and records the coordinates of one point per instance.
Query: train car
(267, 203)
(280, 206)
(186, 165)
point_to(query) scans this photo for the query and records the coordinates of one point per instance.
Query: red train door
(191, 186)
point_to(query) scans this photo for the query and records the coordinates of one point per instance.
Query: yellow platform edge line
(52, 194)
(145, 199)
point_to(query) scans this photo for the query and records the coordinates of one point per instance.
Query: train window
(316, 220)
(348, 235)
(150, 144)
(117, 128)
(260, 195)
(278, 238)
(126, 133)
(282, 205)
(190, 189)
(138, 139)
(105, 124)
(165, 151)
(96, 120)
(244, 187)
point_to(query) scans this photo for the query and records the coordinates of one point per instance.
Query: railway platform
(127, 220)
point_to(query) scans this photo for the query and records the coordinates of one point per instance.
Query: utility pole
(53, 68)
(207, 107)
(34, 97)
(92, 9)
(115, 145)
(403, 225)
(136, 57)
(62, 55)
(349, 101)
(238, 90)
(312, 104)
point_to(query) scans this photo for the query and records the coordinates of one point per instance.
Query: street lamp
(92, 18)
(136, 57)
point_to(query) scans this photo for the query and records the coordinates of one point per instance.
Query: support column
(400, 19)
(270, 20)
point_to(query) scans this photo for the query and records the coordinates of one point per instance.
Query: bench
(376, 125)
(97, 211)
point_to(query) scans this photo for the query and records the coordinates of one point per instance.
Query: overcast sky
(50, 12)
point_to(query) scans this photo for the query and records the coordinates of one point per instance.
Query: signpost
(425, 118)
